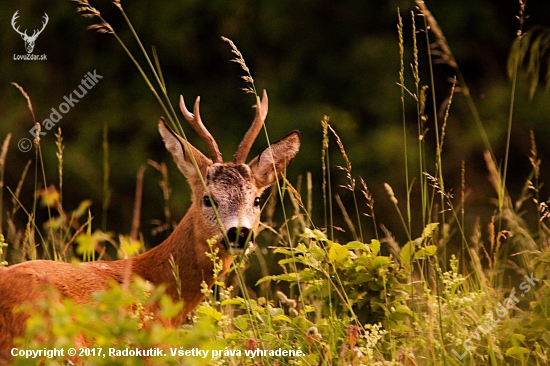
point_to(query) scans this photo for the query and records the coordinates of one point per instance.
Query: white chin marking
(233, 249)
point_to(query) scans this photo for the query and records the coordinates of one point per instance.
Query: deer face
(229, 191)
(232, 193)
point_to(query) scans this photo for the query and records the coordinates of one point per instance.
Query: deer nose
(240, 236)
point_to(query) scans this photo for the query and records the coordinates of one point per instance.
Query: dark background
(315, 58)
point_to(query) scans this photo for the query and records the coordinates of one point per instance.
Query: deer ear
(272, 162)
(183, 152)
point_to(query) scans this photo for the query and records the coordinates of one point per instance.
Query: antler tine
(14, 24)
(195, 121)
(44, 22)
(253, 131)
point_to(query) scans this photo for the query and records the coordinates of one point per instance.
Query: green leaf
(264, 280)
(305, 275)
(420, 254)
(85, 244)
(381, 262)
(374, 246)
(517, 351)
(403, 309)
(309, 309)
(235, 301)
(316, 234)
(407, 253)
(283, 318)
(241, 323)
(431, 250)
(284, 251)
(352, 245)
(428, 251)
(308, 260)
(129, 247)
(315, 288)
(361, 278)
(82, 208)
(210, 312)
(429, 230)
(337, 253)
(519, 337)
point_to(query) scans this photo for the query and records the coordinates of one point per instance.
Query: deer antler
(13, 19)
(43, 26)
(24, 34)
(253, 131)
(195, 121)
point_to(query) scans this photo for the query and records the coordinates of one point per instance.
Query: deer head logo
(29, 40)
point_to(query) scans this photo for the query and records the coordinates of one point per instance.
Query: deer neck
(188, 249)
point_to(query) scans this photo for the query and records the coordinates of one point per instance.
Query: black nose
(244, 236)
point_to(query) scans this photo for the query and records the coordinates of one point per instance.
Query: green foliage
(532, 333)
(417, 249)
(114, 321)
(344, 278)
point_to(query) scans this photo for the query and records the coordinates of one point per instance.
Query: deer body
(230, 189)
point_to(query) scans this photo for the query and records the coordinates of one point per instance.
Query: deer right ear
(181, 151)
(272, 162)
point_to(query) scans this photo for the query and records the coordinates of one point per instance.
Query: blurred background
(315, 58)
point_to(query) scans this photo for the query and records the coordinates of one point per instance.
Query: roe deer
(232, 188)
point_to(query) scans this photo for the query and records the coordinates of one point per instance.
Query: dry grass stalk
(166, 193)
(494, 175)
(446, 54)
(296, 200)
(26, 96)
(351, 185)
(391, 194)
(59, 155)
(137, 204)
(346, 217)
(368, 197)
(401, 51)
(239, 59)
(3, 154)
(88, 11)
(533, 157)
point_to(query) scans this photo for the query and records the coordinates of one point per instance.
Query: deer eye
(207, 201)
(256, 201)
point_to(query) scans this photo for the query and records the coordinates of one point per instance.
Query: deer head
(29, 40)
(226, 196)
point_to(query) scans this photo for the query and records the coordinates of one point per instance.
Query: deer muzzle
(240, 237)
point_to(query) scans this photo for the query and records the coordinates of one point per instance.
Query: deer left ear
(272, 162)
(181, 151)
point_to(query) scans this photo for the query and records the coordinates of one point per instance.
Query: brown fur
(25, 282)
